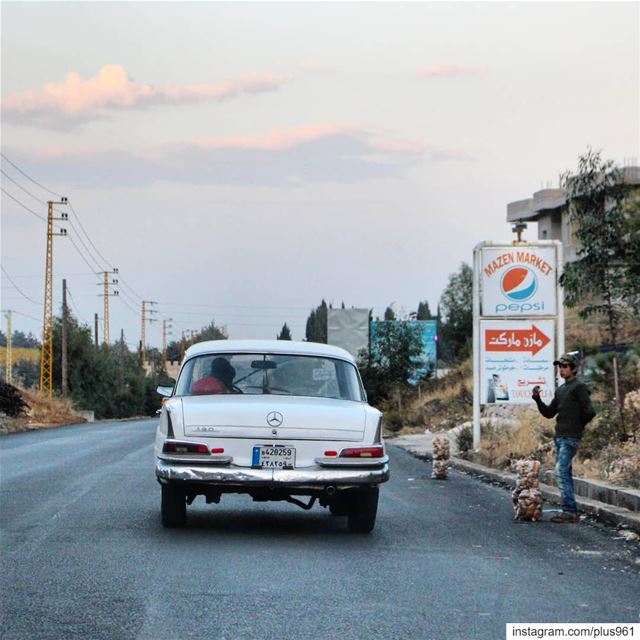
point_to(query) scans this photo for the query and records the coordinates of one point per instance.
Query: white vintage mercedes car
(275, 419)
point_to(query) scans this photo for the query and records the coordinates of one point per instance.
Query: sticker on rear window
(322, 374)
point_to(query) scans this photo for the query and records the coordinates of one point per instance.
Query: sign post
(518, 322)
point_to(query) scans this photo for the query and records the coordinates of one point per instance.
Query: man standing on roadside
(572, 404)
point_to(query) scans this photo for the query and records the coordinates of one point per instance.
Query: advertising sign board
(518, 322)
(423, 363)
(515, 356)
(519, 281)
(349, 329)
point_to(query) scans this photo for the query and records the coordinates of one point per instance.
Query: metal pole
(476, 346)
(9, 374)
(95, 329)
(65, 388)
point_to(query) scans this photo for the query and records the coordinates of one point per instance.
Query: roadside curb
(611, 514)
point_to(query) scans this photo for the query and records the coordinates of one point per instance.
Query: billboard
(518, 281)
(515, 356)
(518, 322)
(425, 362)
(349, 329)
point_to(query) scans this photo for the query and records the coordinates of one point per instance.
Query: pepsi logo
(519, 283)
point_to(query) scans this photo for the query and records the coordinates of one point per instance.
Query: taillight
(363, 452)
(330, 454)
(176, 446)
(220, 450)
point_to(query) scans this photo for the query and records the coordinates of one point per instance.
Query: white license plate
(274, 457)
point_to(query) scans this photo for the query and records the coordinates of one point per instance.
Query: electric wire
(17, 168)
(75, 246)
(15, 286)
(6, 175)
(77, 218)
(24, 206)
(85, 246)
(75, 306)
(124, 282)
(86, 234)
(26, 316)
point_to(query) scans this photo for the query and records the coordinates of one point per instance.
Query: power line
(26, 316)
(124, 282)
(128, 307)
(86, 234)
(85, 246)
(135, 302)
(75, 246)
(24, 206)
(6, 175)
(15, 286)
(75, 306)
(17, 168)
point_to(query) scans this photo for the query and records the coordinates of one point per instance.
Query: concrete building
(548, 208)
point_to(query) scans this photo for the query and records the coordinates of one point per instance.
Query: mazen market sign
(518, 328)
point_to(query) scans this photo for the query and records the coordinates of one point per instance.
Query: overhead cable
(15, 286)
(17, 168)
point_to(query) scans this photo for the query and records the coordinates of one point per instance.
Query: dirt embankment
(39, 412)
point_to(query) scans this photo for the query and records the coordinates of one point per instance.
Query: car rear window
(277, 374)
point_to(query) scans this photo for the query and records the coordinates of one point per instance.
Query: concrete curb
(611, 514)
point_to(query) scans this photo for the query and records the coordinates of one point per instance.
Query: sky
(240, 162)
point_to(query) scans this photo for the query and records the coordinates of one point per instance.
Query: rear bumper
(233, 477)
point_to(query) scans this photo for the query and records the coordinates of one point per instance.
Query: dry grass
(20, 353)
(43, 412)
(594, 330)
(519, 431)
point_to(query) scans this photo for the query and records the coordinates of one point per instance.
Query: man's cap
(567, 358)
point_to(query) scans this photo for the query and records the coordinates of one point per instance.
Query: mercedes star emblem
(274, 419)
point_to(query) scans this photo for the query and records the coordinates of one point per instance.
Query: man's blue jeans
(565, 450)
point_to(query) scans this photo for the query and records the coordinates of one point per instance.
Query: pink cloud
(112, 89)
(446, 70)
(278, 139)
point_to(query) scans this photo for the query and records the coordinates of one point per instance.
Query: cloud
(75, 100)
(450, 71)
(315, 153)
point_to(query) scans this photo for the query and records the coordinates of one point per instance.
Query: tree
(211, 332)
(390, 361)
(603, 278)
(389, 313)
(456, 314)
(285, 333)
(316, 329)
(424, 313)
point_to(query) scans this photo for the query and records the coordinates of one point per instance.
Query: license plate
(274, 457)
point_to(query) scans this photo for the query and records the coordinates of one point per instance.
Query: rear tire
(363, 510)
(173, 507)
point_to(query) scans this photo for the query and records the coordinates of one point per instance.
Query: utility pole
(46, 357)
(65, 377)
(143, 339)
(105, 294)
(9, 374)
(166, 330)
(95, 330)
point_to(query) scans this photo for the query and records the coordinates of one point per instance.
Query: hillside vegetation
(609, 450)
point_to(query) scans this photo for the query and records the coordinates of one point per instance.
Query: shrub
(464, 440)
(393, 421)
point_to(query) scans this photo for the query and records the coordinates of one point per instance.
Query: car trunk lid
(273, 417)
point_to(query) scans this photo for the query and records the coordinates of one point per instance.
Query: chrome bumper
(312, 477)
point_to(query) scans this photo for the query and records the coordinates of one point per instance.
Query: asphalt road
(83, 555)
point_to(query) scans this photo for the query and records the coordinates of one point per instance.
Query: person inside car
(219, 381)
